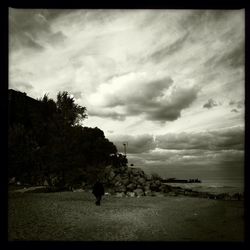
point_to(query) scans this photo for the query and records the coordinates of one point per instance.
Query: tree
(71, 112)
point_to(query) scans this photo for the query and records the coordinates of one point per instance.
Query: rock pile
(132, 182)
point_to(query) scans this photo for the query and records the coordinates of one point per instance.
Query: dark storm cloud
(210, 104)
(28, 27)
(170, 49)
(143, 94)
(149, 99)
(170, 111)
(237, 104)
(232, 138)
(135, 144)
(107, 114)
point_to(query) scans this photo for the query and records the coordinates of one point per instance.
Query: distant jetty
(174, 180)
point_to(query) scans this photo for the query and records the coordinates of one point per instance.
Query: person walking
(98, 191)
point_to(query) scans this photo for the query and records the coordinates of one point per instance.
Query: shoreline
(177, 190)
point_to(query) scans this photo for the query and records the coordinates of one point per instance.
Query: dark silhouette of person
(98, 191)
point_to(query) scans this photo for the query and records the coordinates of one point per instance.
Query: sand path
(74, 216)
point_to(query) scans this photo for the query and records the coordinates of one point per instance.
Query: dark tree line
(45, 137)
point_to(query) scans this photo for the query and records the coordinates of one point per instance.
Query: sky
(168, 83)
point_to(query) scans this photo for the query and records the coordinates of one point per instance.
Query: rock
(118, 178)
(137, 171)
(148, 177)
(125, 181)
(123, 169)
(163, 189)
(111, 175)
(120, 189)
(148, 192)
(131, 187)
(154, 187)
(117, 184)
(220, 196)
(130, 194)
(166, 188)
(133, 180)
(141, 181)
(120, 195)
(139, 192)
(158, 183)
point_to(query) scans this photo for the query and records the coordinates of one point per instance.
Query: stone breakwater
(134, 182)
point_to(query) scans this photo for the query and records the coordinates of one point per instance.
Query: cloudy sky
(170, 83)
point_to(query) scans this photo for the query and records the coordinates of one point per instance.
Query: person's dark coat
(98, 189)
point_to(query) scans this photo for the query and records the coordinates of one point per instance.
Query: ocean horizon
(210, 183)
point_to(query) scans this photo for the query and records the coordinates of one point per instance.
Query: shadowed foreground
(74, 216)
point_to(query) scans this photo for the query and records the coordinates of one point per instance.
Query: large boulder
(111, 175)
(141, 181)
(138, 192)
(137, 171)
(148, 192)
(117, 178)
(154, 187)
(130, 194)
(158, 183)
(165, 188)
(125, 181)
(118, 184)
(123, 169)
(148, 177)
(119, 194)
(120, 189)
(131, 187)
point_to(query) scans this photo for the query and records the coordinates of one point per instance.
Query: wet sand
(73, 216)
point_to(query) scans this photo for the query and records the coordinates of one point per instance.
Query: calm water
(215, 186)
(209, 182)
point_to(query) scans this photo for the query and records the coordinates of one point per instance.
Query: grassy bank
(74, 216)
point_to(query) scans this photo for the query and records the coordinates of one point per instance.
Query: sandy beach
(73, 216)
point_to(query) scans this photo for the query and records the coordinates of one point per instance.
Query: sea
(209, 183)
(215, 186)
